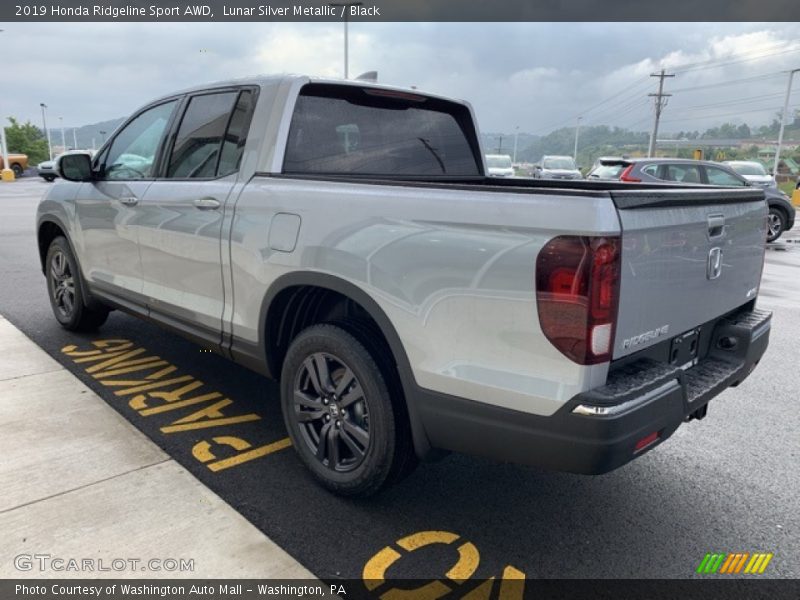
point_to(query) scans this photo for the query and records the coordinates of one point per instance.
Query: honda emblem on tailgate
(714, 266)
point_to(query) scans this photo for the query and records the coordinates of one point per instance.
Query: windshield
(561, 162)
(748, 168)
(498, 162)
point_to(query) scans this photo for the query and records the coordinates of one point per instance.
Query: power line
(729, 82)
(719, 62)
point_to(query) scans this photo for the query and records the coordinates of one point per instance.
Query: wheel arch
(49, 228)
(274, 306)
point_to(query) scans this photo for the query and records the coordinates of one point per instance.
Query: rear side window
(351, 130)
(199, 140)
(682, 173)
(235, 137)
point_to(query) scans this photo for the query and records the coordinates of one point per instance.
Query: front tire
(339, 412)
(776, 223)
(18, 170)
(49, 178)
(64, 287)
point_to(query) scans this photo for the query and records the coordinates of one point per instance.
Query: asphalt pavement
(728, 483)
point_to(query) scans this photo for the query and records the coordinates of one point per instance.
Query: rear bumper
(641, 398)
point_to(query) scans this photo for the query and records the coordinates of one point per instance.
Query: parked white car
(557, 167)
(499, 165)
(753, 171)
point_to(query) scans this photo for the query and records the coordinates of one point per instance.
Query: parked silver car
(557, 167)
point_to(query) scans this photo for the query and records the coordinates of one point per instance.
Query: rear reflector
(646, 441)
(577, 295)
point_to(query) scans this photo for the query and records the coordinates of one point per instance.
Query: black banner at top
(399, 10)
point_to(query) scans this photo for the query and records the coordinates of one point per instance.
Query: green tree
(27, 139)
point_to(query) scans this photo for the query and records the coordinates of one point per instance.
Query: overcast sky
(538, 76)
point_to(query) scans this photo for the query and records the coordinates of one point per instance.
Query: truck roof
(266, 81)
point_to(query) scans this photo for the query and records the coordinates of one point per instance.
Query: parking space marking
(512, 580)
(161, 389)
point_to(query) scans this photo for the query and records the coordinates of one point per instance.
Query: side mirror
(74, 167)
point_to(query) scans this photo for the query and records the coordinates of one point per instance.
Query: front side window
(132, 154)
(199, 140)
(720, 177)
(350, 130)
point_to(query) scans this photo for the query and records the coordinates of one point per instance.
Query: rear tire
(776, 223)
(18, 170)
(345, 424)
(49, 178)
(64, 287)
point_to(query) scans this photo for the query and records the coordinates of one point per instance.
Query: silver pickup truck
(344, 238)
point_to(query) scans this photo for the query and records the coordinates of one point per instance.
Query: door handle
(129, 200)
(716, 226)
(207, 203)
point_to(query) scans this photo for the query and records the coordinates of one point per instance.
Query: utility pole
(660, 103)
(74, 139)
(63, 139)
(783, 123)
(577, 133)
(516, 136)
(46, 130)
(500, 146)
(345, 6)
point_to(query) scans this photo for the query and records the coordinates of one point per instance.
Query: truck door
(180, 228)
(106, 208)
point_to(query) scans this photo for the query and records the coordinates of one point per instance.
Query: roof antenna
(368, 76)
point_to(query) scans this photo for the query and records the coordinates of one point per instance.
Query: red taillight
(577, 294)
(626, 176)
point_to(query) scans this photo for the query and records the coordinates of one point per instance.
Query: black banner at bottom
(401, 589)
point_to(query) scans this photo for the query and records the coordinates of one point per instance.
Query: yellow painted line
(140, 402)
(426, 538)
(180, 404)
(134, 386)
(210, 423)
(758, 558)
(118, 359)
(468, 559)
(374, 573)
(512, 587)
(259, 452)
(150, 364)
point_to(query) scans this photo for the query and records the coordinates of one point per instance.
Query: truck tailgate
(688, 256)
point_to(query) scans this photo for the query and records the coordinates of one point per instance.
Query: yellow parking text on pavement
(155, 387)
(512, 581)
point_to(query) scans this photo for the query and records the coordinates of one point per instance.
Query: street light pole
(346, 6)
(783, 123)
(46, 130)
(577, 134)
(63, 139)
(103, 141)
(74, 139)
(516, 137)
